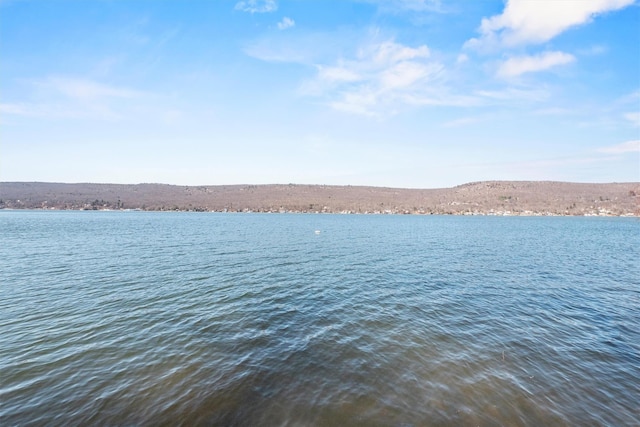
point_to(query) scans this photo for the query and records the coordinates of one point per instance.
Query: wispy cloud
(286, 23)
(462, 58)
(305, 48)
(632, 98)
(553, 111)
(337, 74)
(625, 147)
(71, 98)
(463, 121)
(594, 50)
(397, 6)
(83, 89)
(257, 6)
(529, 22)
(633, 117)
(518, 65)
(381, 76)
(511, 94)
(17, 109)
(59, 110)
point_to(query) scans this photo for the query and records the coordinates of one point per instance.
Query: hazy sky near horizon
(402, 93)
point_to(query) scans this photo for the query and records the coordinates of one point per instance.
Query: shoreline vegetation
(504, 198)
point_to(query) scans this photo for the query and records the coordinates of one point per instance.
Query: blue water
(139, 318)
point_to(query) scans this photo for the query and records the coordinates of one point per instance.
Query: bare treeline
(487, 197)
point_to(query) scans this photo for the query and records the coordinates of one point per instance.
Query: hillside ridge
(480, 198)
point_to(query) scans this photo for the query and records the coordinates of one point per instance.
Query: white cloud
(463, 121)
(361, 101)
(390, 52)
(257, 6)
(414, 5)
(72, 98)
(518, 65)
(594, 50)
(82, 89)
(15, 109)
(306, 48)
(379, 79)
(510, 94)
(60, 110)
(630, 98)
(462, 58)
(338, 74)
(633, 117)
(532, 22)
(404, 74)
(625, 147)
(286, 23)
(553, 111)
(399, 6)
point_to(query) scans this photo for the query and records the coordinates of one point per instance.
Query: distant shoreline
(496, 214)
(486, 198)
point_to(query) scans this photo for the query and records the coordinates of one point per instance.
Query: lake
(144, 318)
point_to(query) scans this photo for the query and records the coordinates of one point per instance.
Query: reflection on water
(223, 319)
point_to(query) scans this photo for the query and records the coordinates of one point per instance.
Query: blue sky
(401, 93)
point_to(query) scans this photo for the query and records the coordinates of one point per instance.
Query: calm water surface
(137, 318)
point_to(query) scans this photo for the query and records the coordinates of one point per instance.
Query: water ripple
(201, 319)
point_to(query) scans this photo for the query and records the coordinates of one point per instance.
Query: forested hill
(488, 197)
